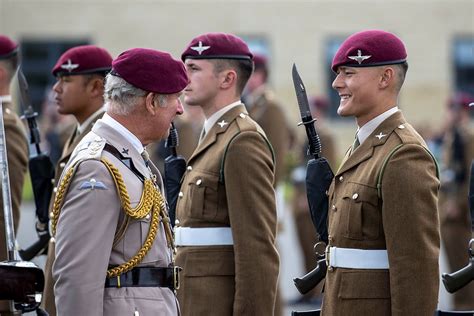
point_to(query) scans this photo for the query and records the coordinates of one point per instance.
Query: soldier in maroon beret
(265, 108)
(114, 245)
(79, 90)
(16, 142)
(457, 152)
(226, 213)
(383, 224)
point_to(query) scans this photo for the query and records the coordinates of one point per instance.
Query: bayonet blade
(24, 96)
(301, 96)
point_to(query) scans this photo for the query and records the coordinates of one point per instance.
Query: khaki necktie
(355, 144)
(145, 156)
(203, 134)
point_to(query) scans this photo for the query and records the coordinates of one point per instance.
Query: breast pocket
(204, 196)
(361, 213)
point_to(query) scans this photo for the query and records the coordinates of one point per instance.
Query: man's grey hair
(121, 97)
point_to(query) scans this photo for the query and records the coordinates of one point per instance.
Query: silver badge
(69, 66)
(222, 123)
(380, 136)
(359, 58)
(200, 48)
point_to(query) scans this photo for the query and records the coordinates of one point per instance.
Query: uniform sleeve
(251, 201)
(278, 133)
(411, 226)
(84, 238)
(17, 156)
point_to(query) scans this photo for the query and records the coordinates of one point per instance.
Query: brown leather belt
(146, 277)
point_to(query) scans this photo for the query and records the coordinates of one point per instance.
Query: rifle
(41, 173)
(21, 282)
(318, 179)
(175, 166)
(458, 279)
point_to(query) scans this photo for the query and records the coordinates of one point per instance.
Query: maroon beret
(319, 102)
(460, 100)
(86, 59)
(151, 70)
(370, 48)
(217, 46)
(7, 47)
(260, 61)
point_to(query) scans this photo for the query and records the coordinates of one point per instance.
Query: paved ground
(291, 263)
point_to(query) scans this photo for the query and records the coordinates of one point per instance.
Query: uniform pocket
(363, 284)
(209, 262)
(203, 195)
(362, 216)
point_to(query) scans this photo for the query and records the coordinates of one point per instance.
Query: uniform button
(189, 168)
(7, 110)
(180, 194)
(401, 126)
(62, 164)
(198, 182)
(242, 115)
(147, 216)
(51, 214)
(334, 208)
(355, 196)
(341, 178)
(55, 189)
(52, 181)
(176, 222)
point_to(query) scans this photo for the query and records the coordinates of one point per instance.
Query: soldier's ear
(150, 103)
(387, 77)
(229, 78)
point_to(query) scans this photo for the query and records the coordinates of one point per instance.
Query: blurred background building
(439, 36)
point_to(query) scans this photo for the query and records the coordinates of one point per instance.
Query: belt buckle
(176, 281)
(327, 255)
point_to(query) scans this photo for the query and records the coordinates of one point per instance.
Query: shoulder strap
(221, 172)
(385, 162)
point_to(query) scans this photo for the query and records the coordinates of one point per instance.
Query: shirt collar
(365, 131)
(83, 126)
(6, 98)
(214, 117)
(122, 130)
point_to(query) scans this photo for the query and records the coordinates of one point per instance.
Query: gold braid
(151, 201)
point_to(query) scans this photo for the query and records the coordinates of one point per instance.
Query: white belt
(357, 258)
(208, 236)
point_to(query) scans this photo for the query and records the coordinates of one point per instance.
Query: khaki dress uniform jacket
(71, 143)
(271, 118)
(404, 222)
(456, 230)
(238, 279)
(17, 156)
(90, 215)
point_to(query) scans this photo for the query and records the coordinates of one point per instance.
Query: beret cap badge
(200, 48)
(69, 66)
(359, 58)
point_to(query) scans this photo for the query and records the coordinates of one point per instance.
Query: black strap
(127, 161)
(143, 277)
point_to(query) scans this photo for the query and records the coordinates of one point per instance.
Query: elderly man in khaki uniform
(16, 142)
(110, 221)
(226, 210)
(383, 217)
(79, 90)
